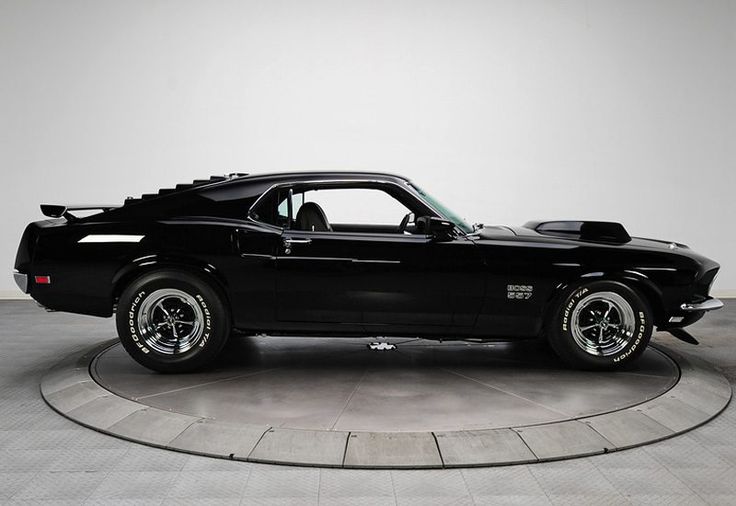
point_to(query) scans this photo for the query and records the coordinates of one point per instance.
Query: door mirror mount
(438, 228)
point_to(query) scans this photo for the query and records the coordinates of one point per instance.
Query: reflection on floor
(46, 457)
(339, 384)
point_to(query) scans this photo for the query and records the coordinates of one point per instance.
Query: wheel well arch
(145, 265)
(632, 279)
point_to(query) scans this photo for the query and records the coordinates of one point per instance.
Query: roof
(322, 173)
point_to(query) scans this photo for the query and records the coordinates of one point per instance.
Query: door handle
(288, 242)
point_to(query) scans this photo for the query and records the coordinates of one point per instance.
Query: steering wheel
(404, 223)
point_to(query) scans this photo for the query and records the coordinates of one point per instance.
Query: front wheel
(172, 321)
(600, 325)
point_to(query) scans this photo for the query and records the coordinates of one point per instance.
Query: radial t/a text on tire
(600, 325)
(172, 321)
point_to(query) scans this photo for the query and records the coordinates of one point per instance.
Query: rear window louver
(182, 187)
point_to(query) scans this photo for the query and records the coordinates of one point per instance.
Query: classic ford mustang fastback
(352, 254)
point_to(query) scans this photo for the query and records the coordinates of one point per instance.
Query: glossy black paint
(347, 283)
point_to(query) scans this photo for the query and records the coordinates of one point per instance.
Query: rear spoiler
(60, 210)
(597, 231)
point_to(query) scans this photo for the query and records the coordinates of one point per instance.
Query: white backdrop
(507, 110)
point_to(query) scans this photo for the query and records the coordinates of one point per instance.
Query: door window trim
(290, 184)
(312, 234)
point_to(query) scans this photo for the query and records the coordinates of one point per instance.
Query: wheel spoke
(603, 323)
(610, 307)
(173, 320)
(162, 308)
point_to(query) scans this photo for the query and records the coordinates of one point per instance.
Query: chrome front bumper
(21, 280)
(707, 305)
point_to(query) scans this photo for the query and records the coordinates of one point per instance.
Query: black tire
(600, 325)
(147, 321)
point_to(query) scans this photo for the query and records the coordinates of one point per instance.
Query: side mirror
(438, 228)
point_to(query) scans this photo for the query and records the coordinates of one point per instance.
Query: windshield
(436, 204)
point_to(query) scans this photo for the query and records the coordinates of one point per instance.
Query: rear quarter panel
(88, 276)
(81, 273)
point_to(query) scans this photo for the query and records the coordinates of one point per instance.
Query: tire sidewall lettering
(641, 327)
(640, 330)
(569, 307)
(132, 316)
(207, 320)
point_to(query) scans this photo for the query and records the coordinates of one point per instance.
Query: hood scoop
(595, 231)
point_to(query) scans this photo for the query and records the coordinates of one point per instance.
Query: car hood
(523, 234)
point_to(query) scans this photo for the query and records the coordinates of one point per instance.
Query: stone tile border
(700, 394)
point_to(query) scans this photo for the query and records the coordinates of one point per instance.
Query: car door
(317, 279)
(386, 281)
(416, 283)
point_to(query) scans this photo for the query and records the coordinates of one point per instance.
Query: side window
(355, 206)
(283, 209)
(337, 209)
(274, 208)
(297, 200)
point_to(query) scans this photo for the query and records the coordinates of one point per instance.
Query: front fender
(633, 279)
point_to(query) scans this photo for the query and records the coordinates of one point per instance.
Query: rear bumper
(706, 305)
(21, 280)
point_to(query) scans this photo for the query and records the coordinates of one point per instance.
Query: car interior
(312, 217)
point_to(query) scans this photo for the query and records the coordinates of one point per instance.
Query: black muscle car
(352, 254)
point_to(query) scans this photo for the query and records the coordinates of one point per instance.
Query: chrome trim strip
(288, 257)
(333, 259)
(21, 280)
(708, 305)
(359, 261)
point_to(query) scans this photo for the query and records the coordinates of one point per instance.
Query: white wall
(508, 110)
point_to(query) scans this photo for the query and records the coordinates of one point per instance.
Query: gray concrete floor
(46, 458)
(340, 385)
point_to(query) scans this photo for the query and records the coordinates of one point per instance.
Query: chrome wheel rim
(603, 324)
(170, 321)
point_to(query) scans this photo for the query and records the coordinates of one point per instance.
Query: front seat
(311, 217)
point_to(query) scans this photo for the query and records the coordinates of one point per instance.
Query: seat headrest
(311, 217)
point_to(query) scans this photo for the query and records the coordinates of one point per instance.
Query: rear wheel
(601, 325)
(172, 321)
